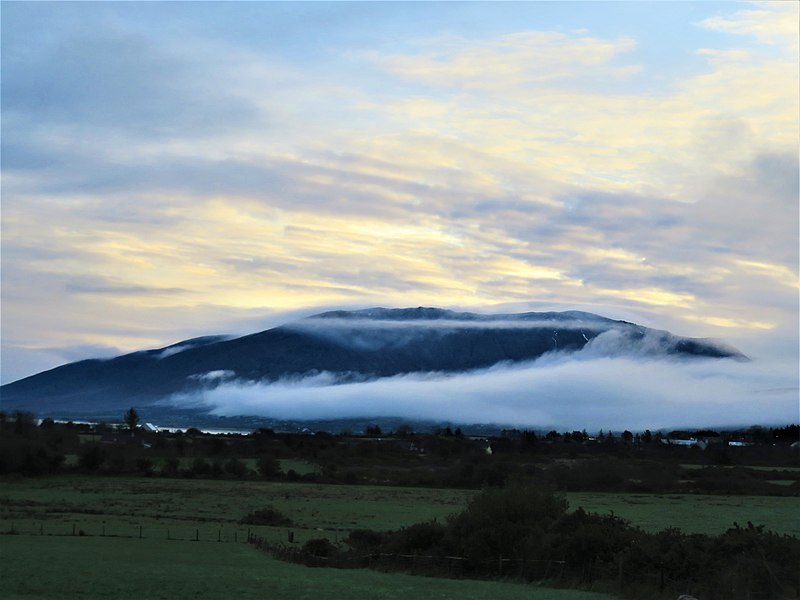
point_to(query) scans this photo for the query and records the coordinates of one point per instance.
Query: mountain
(353, 345)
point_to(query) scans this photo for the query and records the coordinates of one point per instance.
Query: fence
(133, 531)
(538, 571)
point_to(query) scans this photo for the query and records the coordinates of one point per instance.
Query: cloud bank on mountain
(586, 389)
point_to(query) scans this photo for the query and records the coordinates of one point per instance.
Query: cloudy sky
(180, 169)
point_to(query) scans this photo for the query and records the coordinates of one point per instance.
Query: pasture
(694, 513)
(61, 568)
(211, 509)
(120, 537)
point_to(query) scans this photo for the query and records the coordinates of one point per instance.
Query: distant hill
(354, 345)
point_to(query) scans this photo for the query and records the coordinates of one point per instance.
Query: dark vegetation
(518, 527)
(445, 457)
(266, 516)
(525, 532)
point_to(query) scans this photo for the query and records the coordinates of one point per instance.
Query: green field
(212, 509)
(56, 568)
(694, 513)
(106, 557)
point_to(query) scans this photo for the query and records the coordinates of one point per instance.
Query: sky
(171, 170)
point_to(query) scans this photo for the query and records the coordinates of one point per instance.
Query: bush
(504, 521)
(235, 468)
(268, 466)
(364, 540)
(266, 516)
(524, 523)
(319, 547)
(92, 457)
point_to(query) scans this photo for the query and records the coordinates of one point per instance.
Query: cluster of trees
(443, 458)
(518, 526)
(28, 449)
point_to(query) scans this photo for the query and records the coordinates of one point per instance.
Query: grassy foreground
(83, 567)
(49, 562)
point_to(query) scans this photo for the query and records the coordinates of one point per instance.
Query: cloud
(100, 285)
(116, 79)
(769, 22)
(555, 392)
(511, 60)
(459, 167)
(212, 377)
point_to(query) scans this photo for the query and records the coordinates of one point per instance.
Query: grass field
(695, 513)
(110, 561)
(210, 509)
(56, 568)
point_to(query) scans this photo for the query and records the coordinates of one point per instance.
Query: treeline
(507, 532)
(444, 458)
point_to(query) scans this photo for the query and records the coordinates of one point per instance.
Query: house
(685, 442)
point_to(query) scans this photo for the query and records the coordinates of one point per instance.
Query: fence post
(197, 535)
(73, 529)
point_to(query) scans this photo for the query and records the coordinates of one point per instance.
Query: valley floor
(61, 568)
(86, 536)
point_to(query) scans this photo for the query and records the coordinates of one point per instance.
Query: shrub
(266, 516)
(365, 540)
(268, 466)
(319, 547)
(236, 468)
(92, 457)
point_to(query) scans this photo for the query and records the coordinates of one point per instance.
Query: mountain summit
(352, 345)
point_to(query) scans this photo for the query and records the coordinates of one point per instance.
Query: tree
(131, 419)
(268, 466)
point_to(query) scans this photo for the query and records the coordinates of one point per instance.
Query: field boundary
(237, 536)
(591, 576)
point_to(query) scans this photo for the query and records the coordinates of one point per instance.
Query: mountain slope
(356, 345)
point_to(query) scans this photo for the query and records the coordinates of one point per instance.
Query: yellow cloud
(769, 22)
(650, 296)
(512, 59)
(778, 272)
(730, 323)
(662, 142)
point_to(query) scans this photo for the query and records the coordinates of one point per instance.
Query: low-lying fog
(587, 389)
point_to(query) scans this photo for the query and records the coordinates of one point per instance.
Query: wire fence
(451, 566)
(178, 533)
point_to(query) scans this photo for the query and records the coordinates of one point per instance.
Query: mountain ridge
(371, 343)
